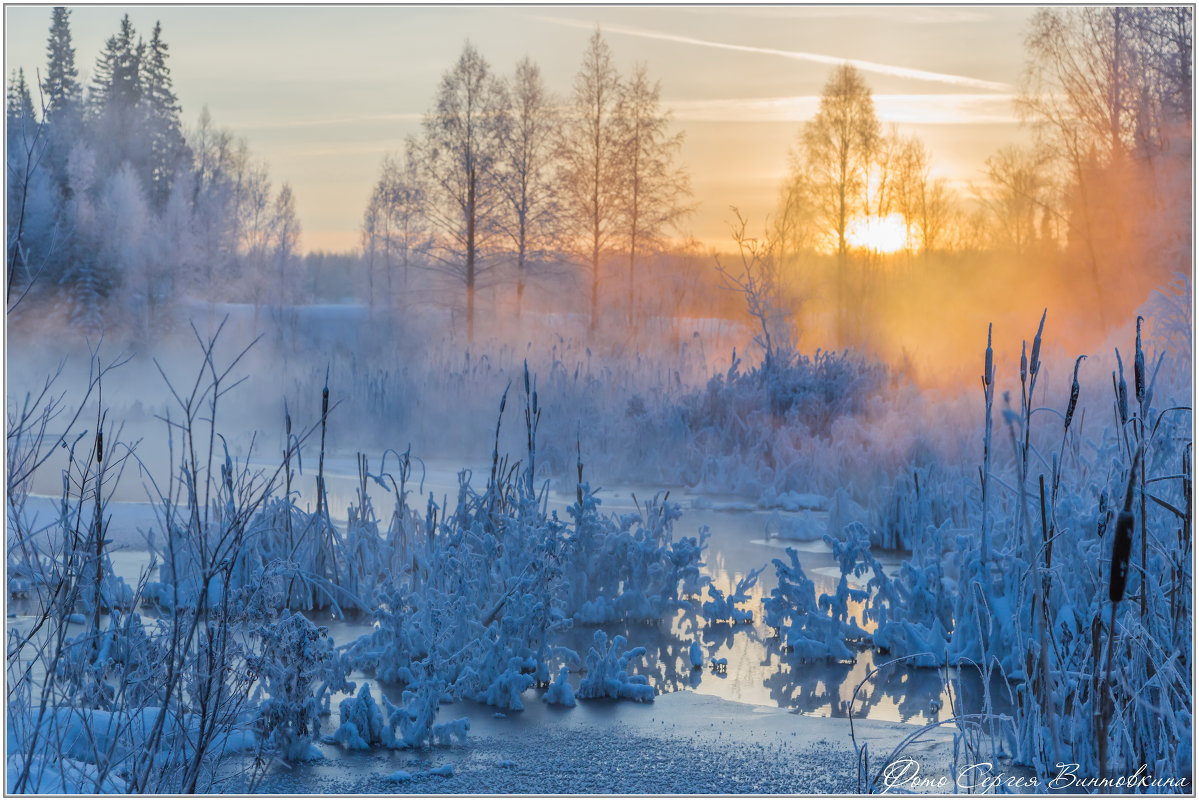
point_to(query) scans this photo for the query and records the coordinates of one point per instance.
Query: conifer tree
(62, 97)
(18, 107)
(114, 100)
(23, 151)
(167, 150)
(62, 93)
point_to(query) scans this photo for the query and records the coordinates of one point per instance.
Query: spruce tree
(62, 97)
(23, 150)
(61, 86)
(167, 150)
(114, 101)
(18, 107)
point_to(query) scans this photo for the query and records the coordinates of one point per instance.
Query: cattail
(99, 447)
(579, 468)
(1121, 549)
(1138, 366)
(1023, 362)
(1121, 389)
(989, 364)
(325, 402)
(1035, 360)
(1122, 541)
(1073, 404)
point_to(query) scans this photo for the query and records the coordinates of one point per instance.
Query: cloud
(916, 109)
(795, 55)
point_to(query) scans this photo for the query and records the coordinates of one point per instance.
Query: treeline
(115, 211)
(506, 181)
(511, 196)
(1090, 217)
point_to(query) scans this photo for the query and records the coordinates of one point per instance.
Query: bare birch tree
(459, 154)
(590, 164)
(526, 155)
(654, 187)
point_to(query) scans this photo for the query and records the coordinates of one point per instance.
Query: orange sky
(322, 93)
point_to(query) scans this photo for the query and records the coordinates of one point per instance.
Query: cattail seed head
(1074, 389)
(1138, 365)
(1121, 549)
(989, 364)
(99, 447)
(1035, 360)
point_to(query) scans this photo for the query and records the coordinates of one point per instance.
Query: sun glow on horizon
(879, 234)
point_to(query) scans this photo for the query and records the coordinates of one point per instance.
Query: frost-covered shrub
(726, 609)
(804, 628)
(853, 557)
(482, 597)
(1023, 583)
(363, 723)
(631, 567)
(299, 670)
(559, 691)
(913, 611)
(608, 671)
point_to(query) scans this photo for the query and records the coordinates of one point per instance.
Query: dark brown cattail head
(325, 402)
(1122, 541)
(1073, 404)
(1138, 365)
(989, 364)
(1121, 389)
(1121, 549)
(1034, 362)
(99, 447)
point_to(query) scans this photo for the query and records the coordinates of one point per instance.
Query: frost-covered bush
(1066, 566)
(608, 674)
(727, 609)
(913, 610)
(363, 723)
(482, 595)
(804, 626)
(631, 567)
(298, 670)
(559, 691)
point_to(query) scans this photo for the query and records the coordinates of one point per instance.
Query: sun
(880, 234)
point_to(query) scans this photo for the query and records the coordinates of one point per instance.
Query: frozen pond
(759, 672)
(770, 723)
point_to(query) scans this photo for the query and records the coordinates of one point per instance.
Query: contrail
(794, 55)
(927, 109)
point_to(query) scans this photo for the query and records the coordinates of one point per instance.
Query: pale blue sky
(322, 93)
